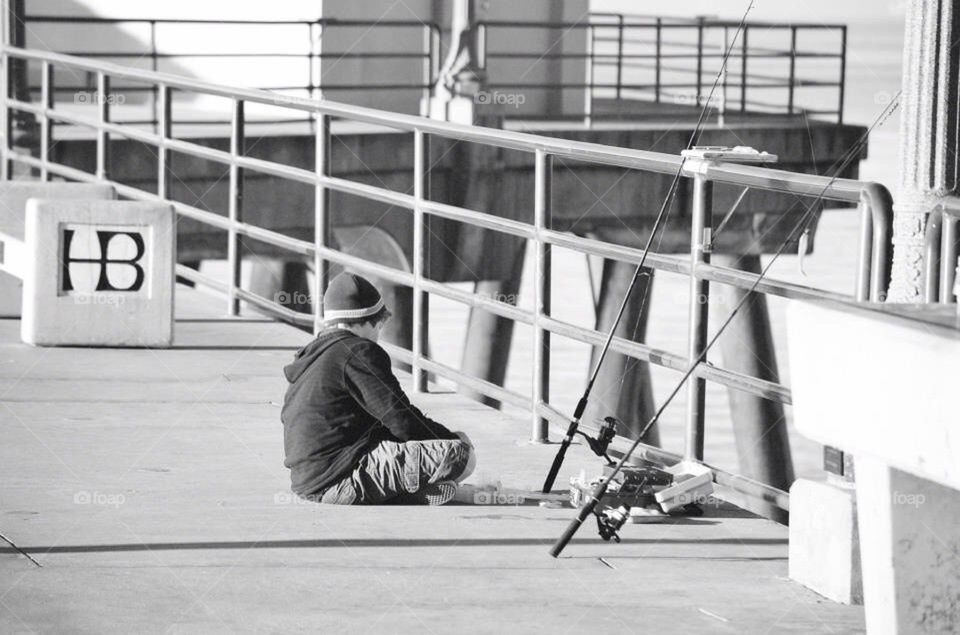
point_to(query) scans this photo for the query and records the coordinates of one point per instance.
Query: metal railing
(659, 60)
(940, 262)
(309, 61)
(873, 200)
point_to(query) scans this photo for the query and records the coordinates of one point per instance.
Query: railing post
(165, 129)
(311, 60)
(426, 70)
(699, 60)
(6, 127)
(588, 97)
(321, 220)
(421, 300)
(656, 66)
(155, 66)
(793, 69)
(235, 211)
(543, 168)
(434, 53)
(619, 54)
(103, 111)
(722, 110)
(843, 72)
(743, 68)
(699, 313)
(865, 251)
(46, 127)
(948, 258)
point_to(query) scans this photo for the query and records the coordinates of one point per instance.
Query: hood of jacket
(309, 353)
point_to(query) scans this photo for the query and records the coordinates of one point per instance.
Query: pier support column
(623, 387)
(747, 347)
(928, 135)
(486, 349)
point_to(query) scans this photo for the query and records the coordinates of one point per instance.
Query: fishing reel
(605, 435)
(610, 520)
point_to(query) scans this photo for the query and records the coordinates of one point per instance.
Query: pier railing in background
(673, 60)
(870, 284)
(307, 60)
(624, 57)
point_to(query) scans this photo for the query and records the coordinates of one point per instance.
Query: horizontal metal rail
(868, 196)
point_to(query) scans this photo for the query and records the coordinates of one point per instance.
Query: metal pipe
(699, 313)
(165, 130)
(588, 88)
(421, 306)
(699, 61)
(619, 54)
(843, 73)
(793, 69)
(103, 115)
(657, 62)
(321, 219)
(46, 126)
(426, 71)
(235, 207)
(541, 293)
(931, 256)
(743, 69)
(948, 259)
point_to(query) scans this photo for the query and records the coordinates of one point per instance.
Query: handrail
(874, 200)
(940, 252)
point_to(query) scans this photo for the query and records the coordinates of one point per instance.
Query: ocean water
(873, 79)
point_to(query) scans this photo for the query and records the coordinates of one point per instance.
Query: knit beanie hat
(350, 297)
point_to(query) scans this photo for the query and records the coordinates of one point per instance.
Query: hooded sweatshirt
(342, 400)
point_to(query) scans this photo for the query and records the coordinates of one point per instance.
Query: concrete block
(11, 289)
(13, 201)
(100, 273)
(824, 542)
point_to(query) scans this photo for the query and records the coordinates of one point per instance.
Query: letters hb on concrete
(100, 273)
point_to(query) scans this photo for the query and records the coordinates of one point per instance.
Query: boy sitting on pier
(351, 435)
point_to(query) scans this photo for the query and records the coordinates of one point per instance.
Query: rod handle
(557, 463)
(574, 525)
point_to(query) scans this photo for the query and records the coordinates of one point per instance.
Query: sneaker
(439, 493)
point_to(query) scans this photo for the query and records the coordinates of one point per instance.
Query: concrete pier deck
(143, 491)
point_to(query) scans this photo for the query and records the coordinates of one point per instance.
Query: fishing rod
(601, 488)
(573, 428)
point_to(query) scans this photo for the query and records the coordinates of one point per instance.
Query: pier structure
(535, 173)
(631, 81)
